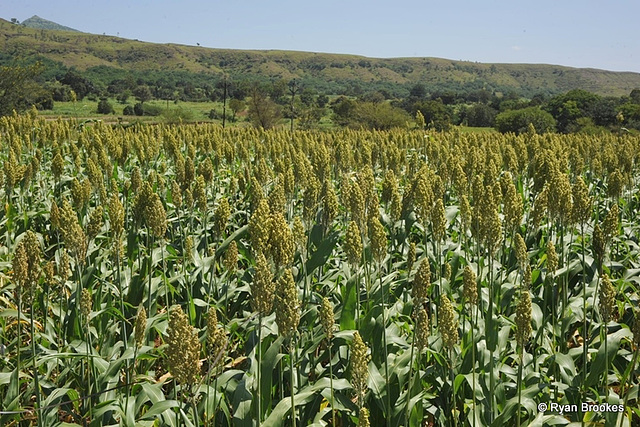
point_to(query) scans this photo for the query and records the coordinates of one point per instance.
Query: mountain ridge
(331, 73)
(39, 23)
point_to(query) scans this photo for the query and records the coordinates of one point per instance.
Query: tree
(480, 115)
(19, 89)
(436, 114)
(236, 106)
(263, 112)
(104, 107)
(80, 85)
(142, 93)
(518, 121)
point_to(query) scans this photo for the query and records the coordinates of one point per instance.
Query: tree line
(281, 102)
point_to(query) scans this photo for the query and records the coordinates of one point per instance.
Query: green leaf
(349, 302)
(160, 407)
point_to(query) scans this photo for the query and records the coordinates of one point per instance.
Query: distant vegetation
(276, 88)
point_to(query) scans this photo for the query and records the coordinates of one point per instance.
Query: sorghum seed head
(260, 227)
(287, 305)
(521, 251)
(95, 223)
(378, 239)
(86, 304)
(422, 328)
(140, 325)
(262, 287)
(552, 258)
(299, 235)
(438, 220)
(188, 248)
(610, 223)
(216, 338)
(448, 325)
(54, 216)
(353, 244)
(581, 208)
(526, 276)
(327, 317)
(363, 415)
(446, 274)
(116, 214)
(231, 257)
(523, 318)
(411, 256)
(607, 300)
(183, 352)
(598, 243)
(281, 244)
(470, 287)
(359, 365)
(221, 216)
(421, 283)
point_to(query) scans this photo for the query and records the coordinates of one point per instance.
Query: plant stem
(35, 370)
(291, 373)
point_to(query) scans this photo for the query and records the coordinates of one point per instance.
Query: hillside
(42, 24)
(330, 73)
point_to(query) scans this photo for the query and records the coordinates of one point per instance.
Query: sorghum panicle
(260, 227)
(422, 328)
(359, 365)
(353, 244)
(411, 256)
(327, 317)
(421, 283)
(363, 415)
(287, 305)
(607, 299)
(552, 258)
(183, 351)
(448, 325)
(523, 318)
(231, 257)
(262, 287)
(140, 325)
(216, 338)
(470, 287)
(378, 238)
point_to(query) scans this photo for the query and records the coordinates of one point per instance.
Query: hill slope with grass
(43, 24)
(330, 73)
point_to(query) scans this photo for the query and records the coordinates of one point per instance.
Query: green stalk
(413, 345)
(585, 331)
(19, 342)
(35, 370)
(473, 364)
(149, 272)
(453, 394)
(384, 343)
(624, 381)
(259, 418)
(333, 411)
(605, 374)
(519, 385)
(291, 373)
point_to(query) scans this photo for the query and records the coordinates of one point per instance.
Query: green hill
(330, 73)
(42, 24)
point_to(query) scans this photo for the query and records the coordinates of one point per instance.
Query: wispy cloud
(516, 48)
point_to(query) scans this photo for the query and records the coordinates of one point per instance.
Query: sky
(577, 33)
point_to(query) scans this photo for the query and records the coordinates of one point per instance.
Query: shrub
(105, 107)
(518, 121)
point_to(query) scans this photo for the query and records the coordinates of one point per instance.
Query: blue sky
(578, 33)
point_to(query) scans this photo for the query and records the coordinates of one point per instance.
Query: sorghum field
(192, 275)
